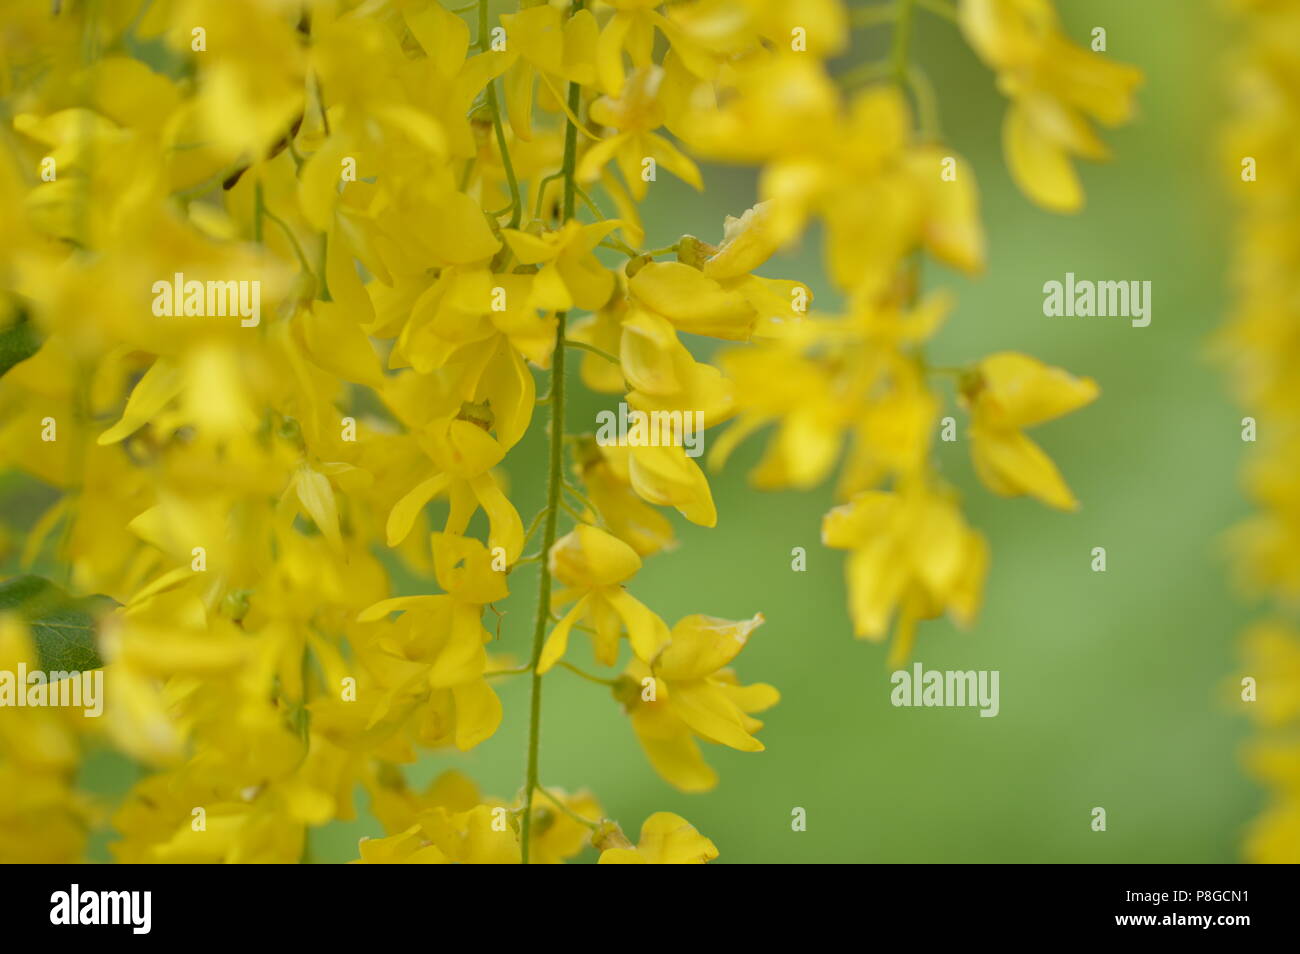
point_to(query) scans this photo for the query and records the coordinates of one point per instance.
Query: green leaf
(18, 342)
(62, 626)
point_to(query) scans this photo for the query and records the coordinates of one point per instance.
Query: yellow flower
(664, 375)
(666, 839)
(635, 114)
(1273, 836)
(631, 29)
(570, 276)
(555, 835)
(1056, 88)
(605, 473)
(912, 554)
(1009, 392)
(685, 692)
(1273, 652)
(42, 818)
(552, 48)
(398, 808)
(602, 330)
(465, 453)
(433, 657)
(666, 477)
(592, 565)
(409, 847)
(695, 303)
(480, 836)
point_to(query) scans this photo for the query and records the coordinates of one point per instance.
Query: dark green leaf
(62, 626)
(18, 342)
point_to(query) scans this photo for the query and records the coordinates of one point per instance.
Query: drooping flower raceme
(282, 289)
(1259, 344)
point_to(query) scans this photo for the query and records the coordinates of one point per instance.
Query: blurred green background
(1112, 684)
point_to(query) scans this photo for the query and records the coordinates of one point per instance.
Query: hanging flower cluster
(1261, 342)
(279, 278)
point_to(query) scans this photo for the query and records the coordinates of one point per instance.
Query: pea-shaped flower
(592, 565)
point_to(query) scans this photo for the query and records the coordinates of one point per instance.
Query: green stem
(873, 16)
(939, 8)
(303, 263)
(516, 203)
(554, 482)
(902, 41)
(617, 246)
(590, 203)
(570, 812)
(541, 192)
(506, 672)
(579, 496)
(533, 525)
(259, 209)
(927, 104)
(583, 346)
(586, 675)
(323, 291)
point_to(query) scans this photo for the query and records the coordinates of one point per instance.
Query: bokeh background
(1115, 686)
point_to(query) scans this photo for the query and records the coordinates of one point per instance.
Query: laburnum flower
(1056, 88)
(1267, 543)
(686, 692)
(1272, 837)
(665, 476)
(552, 48)
(732, 308)
(592, 565)
(855, 166)
(409, 847)
(834, 377)
(664, 375)
(666, 379)
(603, 330)
(251, 68)
(1273, 647)
(631, 29)
(259, 791)
(556, 835)
(398, 807)
(1262, 350)
(606, 476)
(42, 818)
(743, 127)
(1006, 393)
(635, 114)
(913, 557)
(1275, 760)
(479, 836)
(431, 660)
(569, 275)
(156, 636)
(726, 28)
(465, 454)
(777, 382)
(462, 315)
(666, 839)
(157, 824)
